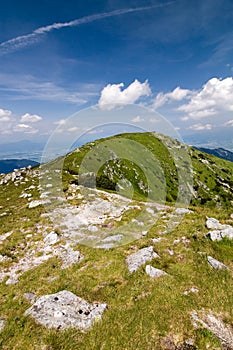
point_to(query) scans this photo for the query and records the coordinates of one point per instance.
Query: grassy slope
(209, 172)
(141, 311)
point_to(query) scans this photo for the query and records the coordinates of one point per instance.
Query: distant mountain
(8, 165)
(20, 146)
(218, 152)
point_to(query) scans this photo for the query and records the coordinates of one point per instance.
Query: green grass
(141, 311)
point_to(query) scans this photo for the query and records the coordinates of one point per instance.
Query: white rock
(212, 223)
(227, 233)
(2, 324)
(51, 238)
(216, 264)
(36, 203)
(153, 272)
(65, 310)
(215, 235)
(106, 246)
(156, 240)
(191, 290)
(181, 211)
(135, 260)
(115, 238)
(92, 228)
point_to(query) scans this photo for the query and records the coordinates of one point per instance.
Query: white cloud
(113, 95)
(214, 97)
(73, 129)
(229, 123)
(24, 128)
(26, 87)
(137, 119)
(60, 122)
(5, 115)
(176, 95)
(200, 127)
(30, 118)
(29, 39)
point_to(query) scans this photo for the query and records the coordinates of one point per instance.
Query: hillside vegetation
(82, 245)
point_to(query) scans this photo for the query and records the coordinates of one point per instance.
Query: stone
(212, 223)
(227, 233)
(215, 235)
(156, 240)
(181, 211)
(216, 264)
(36, 203)
(135, 260)
(218, 235)
(2, 324)
(106, 246)
(5, 236)
(215, 325)
(31, 297)
(153, 272)
(4, 258)
(51, 238)
(65, 310)
(69, 257)
(11, 281)
(115, 238)
(219, 231)
(191, 290)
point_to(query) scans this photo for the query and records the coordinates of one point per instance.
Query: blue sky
(175, 57)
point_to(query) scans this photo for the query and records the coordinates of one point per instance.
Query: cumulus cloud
(25, 128)
(137, 119)
(30, 118)
(113, 95)
(215, 96)
(178, 94)
(200, 127)
(5, 115)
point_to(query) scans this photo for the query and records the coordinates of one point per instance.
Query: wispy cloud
(31, 38)
(27, 87)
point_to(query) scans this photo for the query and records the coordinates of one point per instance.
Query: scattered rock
(216, 264)
(222, 331)
(69, 256)
(135, 260)
(106, 246)
(220, 231)
(11, 281)
(65, 310)
(153, 272)
(212, 223)
(51, 238)
(4, 258)
(170, 252)
(36, 203)
(169, 343)
(181, 211)
(31, 297)
(115, 238)
(156, 240)
(5, 236)
(2, 324)
(191, 290)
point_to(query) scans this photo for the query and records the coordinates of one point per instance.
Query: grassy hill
(210, 177)
(143, 312)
